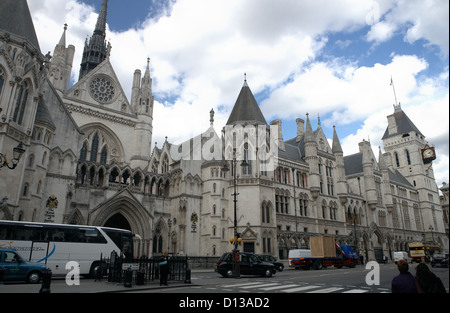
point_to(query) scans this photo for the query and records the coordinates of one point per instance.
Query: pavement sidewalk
(86, 286)
(58, 285)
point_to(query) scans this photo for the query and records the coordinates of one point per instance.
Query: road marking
(243, 284)
(260, 285)
(326, 290)
(356, 291)
(278, 287)
(300, 289)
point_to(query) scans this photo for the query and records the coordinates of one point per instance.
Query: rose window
(102, 90)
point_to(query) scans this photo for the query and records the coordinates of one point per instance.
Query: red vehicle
(324, 252)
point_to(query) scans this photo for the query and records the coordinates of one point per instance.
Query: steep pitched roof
(404, 124)
(396, 177)
(246, 109)
(43, 114)
(15, 18)
(353, 164)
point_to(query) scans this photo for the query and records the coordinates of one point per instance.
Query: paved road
(330, 280)
(289, 281)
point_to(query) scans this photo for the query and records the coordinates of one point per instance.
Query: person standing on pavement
(405, 281)
(163, 271)
(427, 281)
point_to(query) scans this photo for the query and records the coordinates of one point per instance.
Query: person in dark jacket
(163, 271)
(427, 281)
(404, 282)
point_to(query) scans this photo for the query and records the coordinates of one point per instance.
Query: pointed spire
(246, 110)
(60, 48)
(62, 41)
(100, 27)
(337, 148)
(309, 134)
(96, 49)
(147, 80)
(381, 162)
(15, 18)
(211, 117)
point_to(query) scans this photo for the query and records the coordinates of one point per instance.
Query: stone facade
(89, 161)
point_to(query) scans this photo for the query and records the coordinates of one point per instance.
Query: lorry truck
(324, 252)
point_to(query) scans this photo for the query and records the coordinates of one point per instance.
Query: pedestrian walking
(405, 281)
(427, 281)
(163, 271)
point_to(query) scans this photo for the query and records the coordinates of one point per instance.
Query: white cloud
(416, 19)
(200, 50)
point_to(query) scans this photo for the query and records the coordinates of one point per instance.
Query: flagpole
(393, 87)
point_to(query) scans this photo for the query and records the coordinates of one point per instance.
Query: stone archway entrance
(124, 211)
(118, 221)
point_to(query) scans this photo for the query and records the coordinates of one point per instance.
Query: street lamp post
(17, 154)
(236, 239)
(169, 223)
(431, 229)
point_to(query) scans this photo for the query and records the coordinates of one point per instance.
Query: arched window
(94, 148)
(408, 158)
(31, 160)
(25, 190)
(83, 152)
(21, 102)
(397, 161)
(165, 164)
(104, 155)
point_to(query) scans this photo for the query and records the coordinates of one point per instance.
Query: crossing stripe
(356, 291)
(300, 289)
(243, 284)
(278, 287)
(260, 285)
(326, 290)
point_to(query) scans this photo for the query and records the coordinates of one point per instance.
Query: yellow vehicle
(422, 252)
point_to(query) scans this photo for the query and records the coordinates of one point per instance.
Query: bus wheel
(96, 266)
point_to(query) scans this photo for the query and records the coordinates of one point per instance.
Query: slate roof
(15, 18)
(353, 164)
(43, 114)
(246, 110)
(396, 177)
(294, 150)
(404, 125)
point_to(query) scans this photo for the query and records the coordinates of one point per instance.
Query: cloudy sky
(333, 59)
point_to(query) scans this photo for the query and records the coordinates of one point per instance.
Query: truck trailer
(324, 252)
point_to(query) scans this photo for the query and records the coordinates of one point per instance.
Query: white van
(401, 255)
(296, 255)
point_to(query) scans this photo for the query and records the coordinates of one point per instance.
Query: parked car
(439, 260)
(249, 263)
(14, 268)
(271, 259)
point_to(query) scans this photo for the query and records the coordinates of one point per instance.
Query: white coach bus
(57, 244)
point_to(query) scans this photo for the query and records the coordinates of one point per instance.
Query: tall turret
(312, 159)
(368, 163)
(340, 169)
(61, 65)
(142, 103)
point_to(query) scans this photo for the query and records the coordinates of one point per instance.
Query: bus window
(124, 240)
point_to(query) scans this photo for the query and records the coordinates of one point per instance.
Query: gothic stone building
(89, 147)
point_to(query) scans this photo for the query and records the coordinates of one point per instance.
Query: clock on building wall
(428, 154)
(102, 89)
